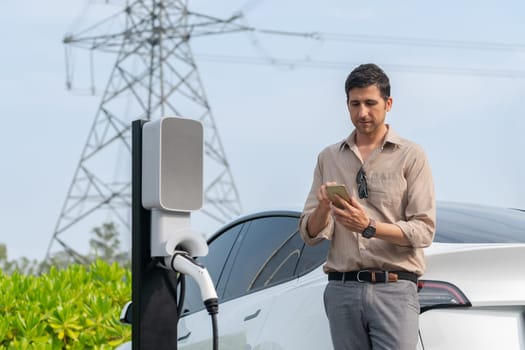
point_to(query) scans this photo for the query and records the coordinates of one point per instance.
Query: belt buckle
(359, 279)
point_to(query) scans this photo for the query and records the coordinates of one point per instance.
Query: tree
(22, 265)
(104, 245)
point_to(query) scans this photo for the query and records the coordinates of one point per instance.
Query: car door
(257, 264)
(297, 319)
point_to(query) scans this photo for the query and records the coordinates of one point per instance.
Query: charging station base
(154, 297)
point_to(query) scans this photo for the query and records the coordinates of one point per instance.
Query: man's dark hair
(366, 75)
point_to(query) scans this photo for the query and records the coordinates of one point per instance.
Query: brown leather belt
(372, 276)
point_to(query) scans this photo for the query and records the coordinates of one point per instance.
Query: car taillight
(440, 294)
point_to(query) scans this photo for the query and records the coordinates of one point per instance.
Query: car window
(280, 265)
(219, 250)
(267, 253)
(460, 223)
(312, 257)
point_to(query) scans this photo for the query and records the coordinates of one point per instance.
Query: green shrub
(73, 308)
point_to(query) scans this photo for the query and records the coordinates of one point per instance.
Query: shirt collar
(391, 138)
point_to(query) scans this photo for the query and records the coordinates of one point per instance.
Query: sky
(457, 71)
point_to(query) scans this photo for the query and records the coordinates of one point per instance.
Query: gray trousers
(365, 316)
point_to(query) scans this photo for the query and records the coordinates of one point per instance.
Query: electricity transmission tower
(154, 75)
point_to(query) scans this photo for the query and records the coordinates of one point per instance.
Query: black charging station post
(154, 310)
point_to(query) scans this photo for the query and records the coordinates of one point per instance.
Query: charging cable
(182, 262)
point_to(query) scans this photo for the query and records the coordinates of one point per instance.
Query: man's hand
(322, 196)
(319, 218)
(351, 215)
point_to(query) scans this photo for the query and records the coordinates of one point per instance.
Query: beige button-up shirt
(401, 192)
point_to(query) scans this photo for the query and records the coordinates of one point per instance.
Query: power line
(391, 40)
(308, 63)
(267, 59)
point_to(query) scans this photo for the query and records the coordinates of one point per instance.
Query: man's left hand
(352, 215)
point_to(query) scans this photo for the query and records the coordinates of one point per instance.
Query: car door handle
(254, 315)
(184, 336)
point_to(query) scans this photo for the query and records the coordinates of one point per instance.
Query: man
(376, 238)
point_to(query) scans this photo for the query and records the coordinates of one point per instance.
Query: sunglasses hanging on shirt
(362, 187)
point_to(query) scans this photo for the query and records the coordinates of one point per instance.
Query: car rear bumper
(481, 328)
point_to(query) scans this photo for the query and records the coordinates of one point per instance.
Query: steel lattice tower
(154, 75)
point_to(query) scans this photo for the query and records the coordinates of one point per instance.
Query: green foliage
(73, 308)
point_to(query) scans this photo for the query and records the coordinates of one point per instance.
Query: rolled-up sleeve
(420, 213)
(325, 233)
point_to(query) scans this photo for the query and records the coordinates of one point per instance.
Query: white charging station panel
(172, 164)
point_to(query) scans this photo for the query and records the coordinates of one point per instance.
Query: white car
(270, 284)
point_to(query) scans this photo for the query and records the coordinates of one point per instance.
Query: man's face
(368, 109)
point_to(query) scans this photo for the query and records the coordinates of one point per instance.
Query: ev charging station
(167, 185)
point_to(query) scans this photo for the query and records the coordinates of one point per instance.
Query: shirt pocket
(386, 189)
